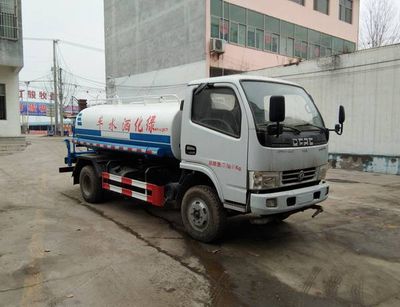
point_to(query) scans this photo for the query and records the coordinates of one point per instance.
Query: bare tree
(380, 23)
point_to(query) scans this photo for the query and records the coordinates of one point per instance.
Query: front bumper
(287, 201)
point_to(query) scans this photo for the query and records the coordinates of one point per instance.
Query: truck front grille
(297, 176)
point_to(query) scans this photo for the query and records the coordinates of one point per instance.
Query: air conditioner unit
(217, 45)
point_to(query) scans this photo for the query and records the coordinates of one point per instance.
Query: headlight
(263, 180)
(322, 170)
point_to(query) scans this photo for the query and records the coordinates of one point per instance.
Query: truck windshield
(301, 112)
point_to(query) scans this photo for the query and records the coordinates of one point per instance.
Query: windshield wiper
(298, 131)
(322, 129)
(266, 125)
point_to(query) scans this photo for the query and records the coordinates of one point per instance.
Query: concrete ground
(57, 250)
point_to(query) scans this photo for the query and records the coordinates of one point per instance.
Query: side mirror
(277, 109)
(342, 115)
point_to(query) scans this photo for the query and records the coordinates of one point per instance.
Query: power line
(64, 42)
(95, 82)
(84, 78)
(82, 46)
(36, 81)
(65, 83)
(38, 39)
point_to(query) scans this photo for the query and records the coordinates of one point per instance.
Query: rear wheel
(203, 216)
(90, 185)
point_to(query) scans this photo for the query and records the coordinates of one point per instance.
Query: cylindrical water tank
(151, 128)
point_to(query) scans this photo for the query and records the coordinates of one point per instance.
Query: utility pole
(55, 86)
(27, 109)
(61, 101)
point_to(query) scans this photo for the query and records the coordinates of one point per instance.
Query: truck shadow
(239, 228)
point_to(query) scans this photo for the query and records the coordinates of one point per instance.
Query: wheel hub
(198, 214)
(86, 184)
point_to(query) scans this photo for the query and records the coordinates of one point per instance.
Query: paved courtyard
(57, 250)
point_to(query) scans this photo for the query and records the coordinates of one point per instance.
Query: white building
(366, 83)
(11, 62)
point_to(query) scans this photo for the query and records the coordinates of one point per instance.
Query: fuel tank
(151, 128)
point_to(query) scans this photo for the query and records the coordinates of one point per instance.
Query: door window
(217, 109)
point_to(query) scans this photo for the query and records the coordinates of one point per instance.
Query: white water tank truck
(235, 145)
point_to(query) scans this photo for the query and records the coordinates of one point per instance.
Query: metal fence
(8, 19)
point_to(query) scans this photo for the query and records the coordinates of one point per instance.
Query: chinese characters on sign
(225, 165)
(42, 95)
(139, 125)
(33, 108)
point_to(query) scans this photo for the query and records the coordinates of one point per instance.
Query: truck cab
(257, 164)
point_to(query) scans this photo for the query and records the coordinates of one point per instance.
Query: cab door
(215, 137)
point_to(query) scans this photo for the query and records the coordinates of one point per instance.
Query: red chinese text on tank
(112, 125)
(100, 122)
(126, 125)
(139, 124)
(150, 123)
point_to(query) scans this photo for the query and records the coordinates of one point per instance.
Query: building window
(272, 34)
(338, 45)
(215, 27)
(224, 29)
(8, 19)
(326, 45)
(287, 46)
(322, 6)
(248, 28)
(287, 39)
(3, 112)
(314, 39)
(260, 39)
(349, 47)
(238, 34)
(298, 1)
(251, 37)
(237, 25)
(218, 10)
(237, 14)
(346, 10)
(272, 42)
(255, 30)
(219, 20)
(301, 42)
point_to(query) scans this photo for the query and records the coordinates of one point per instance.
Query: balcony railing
(8, 20)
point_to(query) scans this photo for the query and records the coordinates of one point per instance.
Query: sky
(77, 21)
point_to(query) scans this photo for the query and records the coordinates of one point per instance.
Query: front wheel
(203, 216)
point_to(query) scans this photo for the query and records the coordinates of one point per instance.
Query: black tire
(90, 185)
(202, 213)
